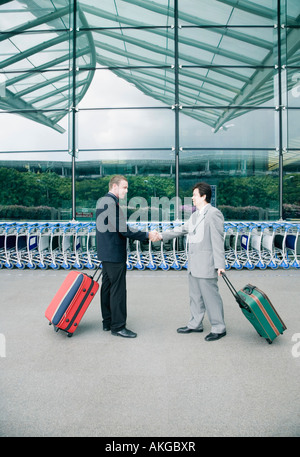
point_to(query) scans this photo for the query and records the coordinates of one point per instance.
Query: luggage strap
(238, 298)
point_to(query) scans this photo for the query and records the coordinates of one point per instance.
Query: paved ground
(160, 384)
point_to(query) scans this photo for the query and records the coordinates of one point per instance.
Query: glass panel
(130, 88)
(293, 85)
(36, 41)
(215, 128)
(131, 128)
(150, 175)
(27, 14)
(26, 132)
(292, 44)
(134, 47)
(35, 190)
(246, 182)
(293, 12)
(226, 74)
(222, 86)
(226, 46)
(119, 13)
(223, 12)
(291, 185)
(205, 13)
(293, 128)
(293, 68)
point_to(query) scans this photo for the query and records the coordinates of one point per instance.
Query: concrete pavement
(160, 384)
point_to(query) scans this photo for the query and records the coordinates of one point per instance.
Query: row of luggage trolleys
(69, 245)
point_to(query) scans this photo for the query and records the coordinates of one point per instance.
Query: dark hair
(204, 189)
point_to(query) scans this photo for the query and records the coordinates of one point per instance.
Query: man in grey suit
(206, 260)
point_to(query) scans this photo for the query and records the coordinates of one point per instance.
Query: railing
(73, 245)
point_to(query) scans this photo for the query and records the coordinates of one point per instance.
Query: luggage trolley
(179, 251)
(184, 255)
(133, 254)
(268, 248)
(2, 237)
(242, 247)
(229, 237)
(256, 247)
(56, 232)
(4, 257)
(90, 256)
(152, 263)
(2, 242)
(44, 253)
(129, 260)
(9, 244)
(68, 245)
(235, 243)
(164, 257)
(280, 251)
(154, 248)
(32, 245)
(81, 231)
(136, 257)
(55, 246)
(292, 243)
(144, 249)
(250, 243)
(21, 246)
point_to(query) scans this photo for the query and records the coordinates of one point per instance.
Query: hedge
(28, 213)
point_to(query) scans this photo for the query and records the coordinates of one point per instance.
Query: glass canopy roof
(225, 56)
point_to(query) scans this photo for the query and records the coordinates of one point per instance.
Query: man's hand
(154, 236)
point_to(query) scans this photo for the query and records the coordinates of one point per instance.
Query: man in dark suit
(111, 236)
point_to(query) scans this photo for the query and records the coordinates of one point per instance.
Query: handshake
(154, 235)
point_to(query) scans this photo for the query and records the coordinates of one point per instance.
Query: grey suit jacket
(205, 232)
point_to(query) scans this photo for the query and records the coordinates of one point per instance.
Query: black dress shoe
(106, 328)
(214, 336)
(125, 333)
(189, 330)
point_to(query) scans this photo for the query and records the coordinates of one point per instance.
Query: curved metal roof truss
(223, 66)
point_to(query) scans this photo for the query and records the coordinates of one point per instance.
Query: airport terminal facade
(166, 92)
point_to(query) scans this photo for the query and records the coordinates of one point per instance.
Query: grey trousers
(205, 296)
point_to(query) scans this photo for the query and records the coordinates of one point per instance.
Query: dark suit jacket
(112, 230)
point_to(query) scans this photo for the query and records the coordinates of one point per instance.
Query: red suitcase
(71, 301)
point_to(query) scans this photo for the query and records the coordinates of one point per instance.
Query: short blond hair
(116, 180)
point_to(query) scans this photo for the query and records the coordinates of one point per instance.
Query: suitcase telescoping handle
(238, 298)
(99, 271)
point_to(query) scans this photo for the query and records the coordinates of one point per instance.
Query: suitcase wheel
(55, 328)
(269, 341)
(70, 334)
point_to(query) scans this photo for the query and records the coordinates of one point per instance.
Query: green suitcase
(259, 311)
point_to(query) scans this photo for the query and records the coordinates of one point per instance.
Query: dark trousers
(113, 295)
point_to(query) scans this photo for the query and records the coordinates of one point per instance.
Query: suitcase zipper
(78, 280)
(271, 305)
(79, 307)
(266, 314)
